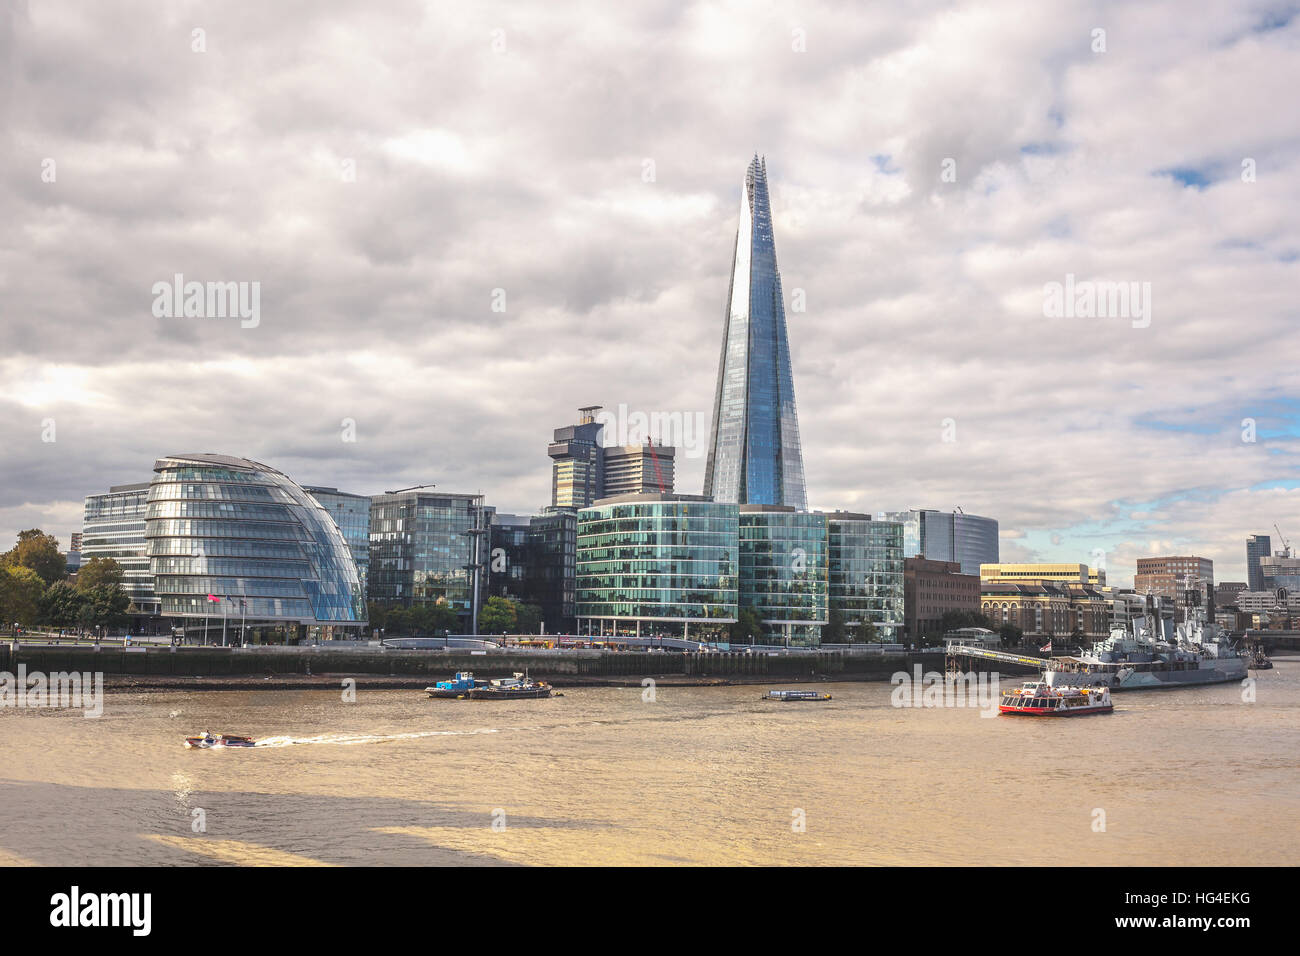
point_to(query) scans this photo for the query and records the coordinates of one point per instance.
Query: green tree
(107, 603)
(99, 571)
(40, 552)
(864, 632)
(529, 618)
(1009, 635)
(61, 604)
(833, 632)
(498, 616)
(748, 627)
(21, 590)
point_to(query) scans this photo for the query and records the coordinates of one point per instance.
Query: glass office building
(1258, 547)
(783, 572)
(866, 572)
(352, 514)
(754, 455)
(419, 549)
(245, 534)
(970, 540)
(657, 564)
(552, 568)
(113, 526)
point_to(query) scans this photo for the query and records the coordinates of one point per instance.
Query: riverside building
(233, 539)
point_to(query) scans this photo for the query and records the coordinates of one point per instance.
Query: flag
(1046, 647)
(213, 598)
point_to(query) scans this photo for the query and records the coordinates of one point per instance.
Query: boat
(519, 687)
(1198, 653)
(455, 689)
(1037, 698)
(207, 741)
(795, 695)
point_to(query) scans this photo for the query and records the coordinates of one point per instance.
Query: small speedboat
(793, 695)
(207, 741)
(455, 689)
(519, 687)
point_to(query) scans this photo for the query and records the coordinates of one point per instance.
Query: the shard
(754, 454)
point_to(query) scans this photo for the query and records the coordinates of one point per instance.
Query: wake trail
(350, 739)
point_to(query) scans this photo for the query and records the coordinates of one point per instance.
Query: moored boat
(455, 689)
(1040, 699)
(794, 695)
(519, 687)
(207, 741)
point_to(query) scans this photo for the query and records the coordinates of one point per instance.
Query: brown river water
(696, 776)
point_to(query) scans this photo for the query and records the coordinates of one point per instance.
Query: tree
(748, 626)
(61, 604)
(498, 616)
(833, 632)
(21, 590)
(99, 571)
(40, 552)
(529, 618)
(863, 633)
(107, 604)
(1009, 635)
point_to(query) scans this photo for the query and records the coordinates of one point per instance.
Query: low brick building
(931, 588)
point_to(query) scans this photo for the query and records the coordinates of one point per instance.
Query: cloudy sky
(467, 220)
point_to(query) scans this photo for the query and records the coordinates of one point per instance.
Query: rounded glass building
(783, 571)
(248, 536)
(657, 564)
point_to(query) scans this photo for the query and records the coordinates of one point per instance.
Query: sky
(464, 221)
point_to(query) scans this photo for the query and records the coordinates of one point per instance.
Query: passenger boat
(519, 687)
(455, 689)
(794, 695)
(1041, 699)
(207, 741)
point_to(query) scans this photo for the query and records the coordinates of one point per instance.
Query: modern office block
(784, 571)
(658, 565)
(113, 526)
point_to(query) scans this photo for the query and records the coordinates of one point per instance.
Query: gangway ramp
(984, 653)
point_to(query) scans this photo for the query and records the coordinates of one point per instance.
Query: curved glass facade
(866, 572)
(783, 572)
(248, 535)
(658, 559)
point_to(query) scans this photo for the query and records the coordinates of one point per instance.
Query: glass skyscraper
(754, 455)
(1258, 546)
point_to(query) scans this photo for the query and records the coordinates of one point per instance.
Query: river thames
(707, 775)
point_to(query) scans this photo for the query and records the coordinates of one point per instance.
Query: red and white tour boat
(1040, 699)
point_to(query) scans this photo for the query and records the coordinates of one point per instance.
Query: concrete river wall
(190, 662)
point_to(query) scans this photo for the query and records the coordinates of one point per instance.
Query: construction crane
(1286, 545)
